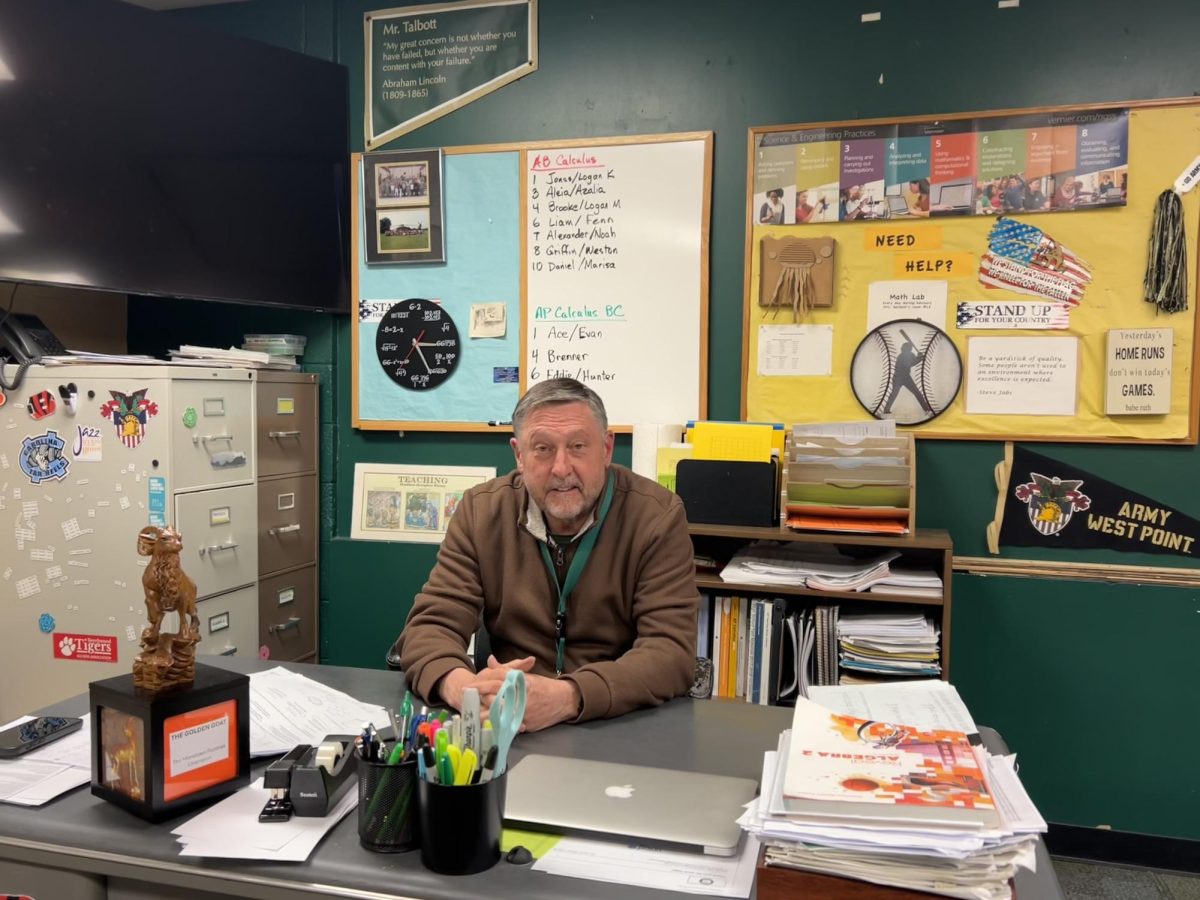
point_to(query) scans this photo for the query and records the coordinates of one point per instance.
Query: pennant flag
(1046, 503)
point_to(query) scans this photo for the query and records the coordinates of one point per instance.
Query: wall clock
(417, 344)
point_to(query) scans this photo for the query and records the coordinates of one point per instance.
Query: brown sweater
(631, 620)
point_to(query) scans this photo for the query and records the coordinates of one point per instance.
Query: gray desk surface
(83, 833)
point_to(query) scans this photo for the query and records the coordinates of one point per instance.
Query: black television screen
(144, 154)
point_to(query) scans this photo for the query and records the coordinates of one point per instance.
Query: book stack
(885, 646)
(920, 808)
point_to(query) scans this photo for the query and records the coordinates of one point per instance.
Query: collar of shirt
(535, 523)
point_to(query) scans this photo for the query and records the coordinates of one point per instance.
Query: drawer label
(285, 596)
(286, 501)
(214, 406)
(285, 406)
(218, 516)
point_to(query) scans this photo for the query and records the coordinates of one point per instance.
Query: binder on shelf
(728, 492)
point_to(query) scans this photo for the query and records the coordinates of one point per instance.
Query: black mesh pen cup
(387, 806)
(461, 825)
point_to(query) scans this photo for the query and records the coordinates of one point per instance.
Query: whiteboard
(615, 263)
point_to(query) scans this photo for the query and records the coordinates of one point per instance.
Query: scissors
(506, 714)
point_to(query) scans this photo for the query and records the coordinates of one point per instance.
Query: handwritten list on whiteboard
(615, 262)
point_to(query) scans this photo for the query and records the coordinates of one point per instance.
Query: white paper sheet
(287, 709)
(795, 350)
(667, 870)
(43, 774)
(922, 704)
(230, 829)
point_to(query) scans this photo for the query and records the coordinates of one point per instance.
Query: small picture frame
(403, 207)
(409, 503)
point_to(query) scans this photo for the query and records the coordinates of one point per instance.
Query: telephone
(24, 340)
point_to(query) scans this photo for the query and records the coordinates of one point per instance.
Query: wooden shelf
(931, 538)
(926, 547)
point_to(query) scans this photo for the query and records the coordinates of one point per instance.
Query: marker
(495, 423)
(470, 719)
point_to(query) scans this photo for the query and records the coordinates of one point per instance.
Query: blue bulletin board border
(483, 260)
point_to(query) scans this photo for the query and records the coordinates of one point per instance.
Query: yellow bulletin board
(1163, 143)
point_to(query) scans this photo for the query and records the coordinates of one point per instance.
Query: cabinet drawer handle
(292, 622)
(205, 438)
(283, 529)
(228, 652)
(283, 434)
(231, 545)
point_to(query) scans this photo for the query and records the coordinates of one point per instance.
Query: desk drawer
(218, 448)
(220, 546)
(229, 624)
(287, 427)
(287, 615)
(287, 522)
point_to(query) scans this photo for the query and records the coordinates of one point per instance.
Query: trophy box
(158, 753)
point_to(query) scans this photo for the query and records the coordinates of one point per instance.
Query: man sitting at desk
(581, 571)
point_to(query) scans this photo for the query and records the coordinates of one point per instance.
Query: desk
(87, 849)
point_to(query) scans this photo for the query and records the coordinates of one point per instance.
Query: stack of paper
(189, 354)
(889, 644)
(231, 829)
(893, 804)
(287, 709)
(909, 582)
(41, 775)
(797, 564)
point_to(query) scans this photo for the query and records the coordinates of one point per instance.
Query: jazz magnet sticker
(41, 405)
(45, 623)
(42, 458)
(189, 417)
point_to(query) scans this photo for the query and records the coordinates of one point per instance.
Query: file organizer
(856, 486)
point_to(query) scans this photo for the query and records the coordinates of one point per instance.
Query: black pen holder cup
(387, 806)
(461, 825)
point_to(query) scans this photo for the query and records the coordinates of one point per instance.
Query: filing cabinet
(286, 441)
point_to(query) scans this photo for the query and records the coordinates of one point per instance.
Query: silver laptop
(897, 206)
(683, 810)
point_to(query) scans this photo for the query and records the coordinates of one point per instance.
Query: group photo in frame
(402, 204)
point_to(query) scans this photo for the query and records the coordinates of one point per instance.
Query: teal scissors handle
(507, 713)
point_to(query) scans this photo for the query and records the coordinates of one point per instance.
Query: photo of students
(916, 195)
(771, 212)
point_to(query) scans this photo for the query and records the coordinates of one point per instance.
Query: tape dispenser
(308, 780)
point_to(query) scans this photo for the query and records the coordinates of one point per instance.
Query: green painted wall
(1092, 684)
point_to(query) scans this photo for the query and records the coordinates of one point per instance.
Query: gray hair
(556, 391)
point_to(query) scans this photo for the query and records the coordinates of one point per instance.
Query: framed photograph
(402, 205)
(412, 504)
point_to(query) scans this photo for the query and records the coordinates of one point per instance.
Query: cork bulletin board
(912, 207)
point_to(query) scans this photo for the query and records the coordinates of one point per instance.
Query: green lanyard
(574, 572)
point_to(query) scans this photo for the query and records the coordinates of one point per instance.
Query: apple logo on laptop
(620, 791)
